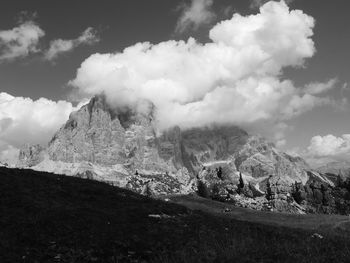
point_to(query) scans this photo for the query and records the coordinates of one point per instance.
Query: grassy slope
(321, 223)
(49, 218)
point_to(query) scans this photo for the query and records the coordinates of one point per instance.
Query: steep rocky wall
(90, 134)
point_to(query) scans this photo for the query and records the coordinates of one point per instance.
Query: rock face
(99, 135)
(260, 159)
(30, 155)
(124, 148)
(257, 160)
(94, 134)
(117, 146)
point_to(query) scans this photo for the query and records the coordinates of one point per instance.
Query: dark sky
(121, 23)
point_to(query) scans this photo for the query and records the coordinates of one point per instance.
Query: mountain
(124, 148)
(335, 168)
(119, 147)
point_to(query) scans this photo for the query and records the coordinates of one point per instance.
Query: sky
(274, 68)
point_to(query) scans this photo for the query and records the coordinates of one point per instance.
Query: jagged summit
(99, 134)
(125, 115)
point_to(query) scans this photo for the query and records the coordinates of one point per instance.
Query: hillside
(52, 218)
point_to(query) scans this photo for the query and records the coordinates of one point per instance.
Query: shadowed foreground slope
(320, 223)
(50, 218)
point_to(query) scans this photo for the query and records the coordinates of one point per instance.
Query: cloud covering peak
(235, 78)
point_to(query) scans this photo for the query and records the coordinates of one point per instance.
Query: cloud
(330, 145)
(23, 40)
(254, 4)
(324, 149)
(23, 120)
(319, 87)
(194, 15)
(20, 41)
(61, 46)
(236, 78)
(8, 154)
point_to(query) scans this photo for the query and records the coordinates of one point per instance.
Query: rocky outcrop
(93, 134)
(30, 155)
(211, 145)
(260, 159)
(104, 136)
(255, 158)
(281, 204)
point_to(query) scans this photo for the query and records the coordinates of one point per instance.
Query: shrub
(202, 189)
(148, 191)
(215, 192)
(340, 181)
(268, 191)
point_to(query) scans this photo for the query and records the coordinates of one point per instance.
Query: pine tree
(219, 173)
(148, 191)
(268, 190)
(202, 190)
(241, 182)
(340, 182)
(215, 193)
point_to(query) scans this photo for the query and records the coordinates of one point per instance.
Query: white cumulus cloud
(321, 87)
(328, 148)
(20, 41)
(236, 78)
(194, 15)
(258, 3)
(60, 46)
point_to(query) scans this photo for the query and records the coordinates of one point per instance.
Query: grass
(327, 224)
(52, 218)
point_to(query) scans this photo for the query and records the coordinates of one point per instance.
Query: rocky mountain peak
(98, 102)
